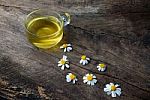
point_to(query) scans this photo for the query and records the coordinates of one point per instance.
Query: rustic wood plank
(114, 32)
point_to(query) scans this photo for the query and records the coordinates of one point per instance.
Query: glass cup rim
(32, 12)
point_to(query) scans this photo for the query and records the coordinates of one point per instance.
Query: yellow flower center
(113, 88)
(83, 57)
(72, 76)
(62, 61)
(89, 77)
(64, 45)
(102, 65)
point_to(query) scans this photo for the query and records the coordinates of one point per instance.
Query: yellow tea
(44, 32)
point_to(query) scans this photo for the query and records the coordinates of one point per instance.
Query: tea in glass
(44, 29)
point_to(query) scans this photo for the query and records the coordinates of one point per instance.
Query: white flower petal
(69, 49)
(65, 49)
(67, 76)
(116, 85)
(86, 62)
(89, 82)
(99, 69)
(84, 81)
(62, 47)
(92, 83)
(118, 89)
(87, 58)
(74, 81)
(64, 57)
(62, 67)
(112, 84)
(81, 61)
(59, 65)
(59, 62)
(87, 74)
(109, 92)
(118, 92)
(67, 66)
(84, 77)
(68, 44)
(94, 80)
(67, 61)
(113, 94)
(68, 80)
(108, 86)
(69, 73)
(102, 69)
(93, 76)
(107, 89)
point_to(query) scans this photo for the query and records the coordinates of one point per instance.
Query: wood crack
(10, 6)
(104, 33)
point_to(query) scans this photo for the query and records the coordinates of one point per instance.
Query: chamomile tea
(44, 32)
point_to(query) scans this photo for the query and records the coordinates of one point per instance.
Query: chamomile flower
(63, 63)
(90, 79)
(101, 67)
(71, 78)
(112, 89)
(84, 60)
(66, 47)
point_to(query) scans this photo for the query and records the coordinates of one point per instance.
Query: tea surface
(45, 32)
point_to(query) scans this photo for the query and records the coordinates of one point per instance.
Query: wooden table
(115, 32)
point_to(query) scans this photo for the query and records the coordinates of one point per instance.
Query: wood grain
(115, 32)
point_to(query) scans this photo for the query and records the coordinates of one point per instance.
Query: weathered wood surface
(115, 32)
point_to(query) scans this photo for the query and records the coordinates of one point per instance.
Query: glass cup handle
(66, 18)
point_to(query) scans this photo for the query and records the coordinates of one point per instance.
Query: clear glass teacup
(44, 27)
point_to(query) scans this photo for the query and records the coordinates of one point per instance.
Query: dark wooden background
(116, 32)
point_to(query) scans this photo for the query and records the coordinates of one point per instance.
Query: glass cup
(44, 27)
